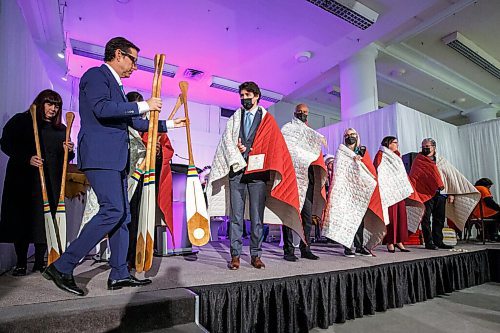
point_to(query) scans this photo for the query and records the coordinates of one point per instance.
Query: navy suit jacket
(105, 116)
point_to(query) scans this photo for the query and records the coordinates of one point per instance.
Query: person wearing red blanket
(397, 229)
(489, 208)
(427, 182)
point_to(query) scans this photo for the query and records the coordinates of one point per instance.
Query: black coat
(22, 208)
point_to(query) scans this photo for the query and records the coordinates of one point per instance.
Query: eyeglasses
(131, 57)
(352, 135)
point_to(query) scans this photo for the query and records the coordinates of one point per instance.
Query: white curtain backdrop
(473, 149)
(482, 152)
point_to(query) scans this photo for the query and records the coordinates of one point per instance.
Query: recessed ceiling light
(64, 78)
(123, 1)
(60, 54)
(303, 56)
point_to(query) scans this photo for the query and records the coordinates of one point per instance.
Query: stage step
(184, 328)
(170, 310)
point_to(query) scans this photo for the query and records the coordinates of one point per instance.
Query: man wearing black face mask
(304, 145)
(251, 153)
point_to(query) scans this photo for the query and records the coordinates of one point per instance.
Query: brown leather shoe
(234, 264)
(257, 263)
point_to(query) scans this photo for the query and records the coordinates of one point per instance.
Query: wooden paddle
(176, 107)
(61, 207)
(145, 233)
(50, 227)
(196, 209)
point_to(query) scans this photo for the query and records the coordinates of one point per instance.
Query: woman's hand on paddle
(36, 161)
(240, 146)
(70, 145)
(180, 122)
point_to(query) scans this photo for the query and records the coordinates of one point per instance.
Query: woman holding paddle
(22, 220)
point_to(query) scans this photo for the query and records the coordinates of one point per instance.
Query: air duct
(232, 86)
(350, 11)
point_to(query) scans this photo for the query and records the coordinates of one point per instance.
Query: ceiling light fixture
(92, 51)
(350, 11)
(232, 86)
(61, 54)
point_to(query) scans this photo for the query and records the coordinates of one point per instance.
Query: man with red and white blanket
(446, 193)
(304, 145)
(252, 155)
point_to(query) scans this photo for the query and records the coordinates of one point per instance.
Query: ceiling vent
(232, 86)
(474, 53)
(350, 11)
(92, 51)
(193, 74)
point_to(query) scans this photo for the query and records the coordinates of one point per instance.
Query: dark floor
(472, 310)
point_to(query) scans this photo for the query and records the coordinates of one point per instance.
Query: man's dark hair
(118, 43)
(250, 87)
(484, 182)
(387, 141)
(134, 96)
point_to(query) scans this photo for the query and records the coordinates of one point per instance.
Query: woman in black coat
(21, 220)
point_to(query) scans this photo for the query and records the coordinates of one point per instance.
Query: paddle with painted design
(50, 226)
(145, 238)
(61, 207)
(198, 221)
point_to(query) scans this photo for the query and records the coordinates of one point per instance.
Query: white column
(482, 114)
(358, 84)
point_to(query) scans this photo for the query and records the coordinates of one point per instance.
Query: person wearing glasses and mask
(251, 155)
(445, 192)
(103, 155)
(354, 198)
(304, 145)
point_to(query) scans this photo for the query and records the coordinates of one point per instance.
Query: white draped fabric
(473, 149)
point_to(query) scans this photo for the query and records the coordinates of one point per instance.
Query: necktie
(123, 91)
(248, 122)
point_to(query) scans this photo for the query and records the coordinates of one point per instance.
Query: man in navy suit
(103, 156)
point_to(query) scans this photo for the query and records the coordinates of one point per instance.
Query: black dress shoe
(290, 257)
(131, 281)
(64, 281)
(308, 255)
(39, 268)
(402, 249)
(431, 247)
(445, 247)
(19, 271)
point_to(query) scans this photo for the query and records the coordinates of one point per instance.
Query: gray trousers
(238, 186)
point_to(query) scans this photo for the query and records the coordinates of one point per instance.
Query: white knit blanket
(351, 189)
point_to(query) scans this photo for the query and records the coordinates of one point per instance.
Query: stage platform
(284, 297)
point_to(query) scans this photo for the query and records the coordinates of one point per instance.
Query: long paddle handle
(70, 116)
(39, 154)
(159, 62)
(184, 88)
(178, 104)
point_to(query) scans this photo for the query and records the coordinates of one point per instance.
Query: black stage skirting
(299, 303)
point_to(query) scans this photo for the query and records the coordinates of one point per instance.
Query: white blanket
(394, 186)
(466, 195)
(350, 192)
(304, 145)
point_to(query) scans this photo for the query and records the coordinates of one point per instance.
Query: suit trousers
(110, 187)
(239, 184)
(306, 215)
(434, 207)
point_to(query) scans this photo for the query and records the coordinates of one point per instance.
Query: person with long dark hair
(397, 229)
(22, 220)
(487, 208)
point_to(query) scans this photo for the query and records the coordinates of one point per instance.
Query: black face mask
(350, 140)
(426, 151)
(301, 116)
(246, 103)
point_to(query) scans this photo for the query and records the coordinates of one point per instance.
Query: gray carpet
(207, 267)
(472, 310)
